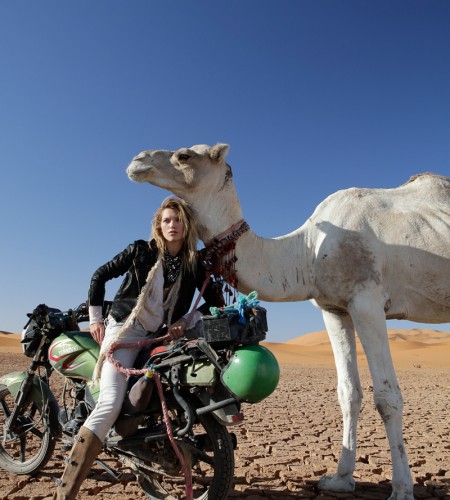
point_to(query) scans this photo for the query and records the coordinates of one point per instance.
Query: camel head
(183, 172)
(200, 175)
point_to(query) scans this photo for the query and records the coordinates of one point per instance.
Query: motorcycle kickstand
(114, 474)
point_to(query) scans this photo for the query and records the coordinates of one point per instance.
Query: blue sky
(312, 96)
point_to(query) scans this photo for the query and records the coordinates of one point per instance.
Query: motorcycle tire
(28, 449)
(212, 467)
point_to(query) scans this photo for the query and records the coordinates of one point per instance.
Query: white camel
(363, 256)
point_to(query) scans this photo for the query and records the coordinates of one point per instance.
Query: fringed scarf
(172, 267)
(152, 291)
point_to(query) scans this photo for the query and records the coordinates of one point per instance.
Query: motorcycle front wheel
(30, 446)
(209, 456)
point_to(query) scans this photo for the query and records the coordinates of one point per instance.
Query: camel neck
(279, 269)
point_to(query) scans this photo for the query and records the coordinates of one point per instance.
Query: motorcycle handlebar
(82, 313)
(41, 312)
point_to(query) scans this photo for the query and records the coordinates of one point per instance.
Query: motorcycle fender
(40, 393)
(228, 415)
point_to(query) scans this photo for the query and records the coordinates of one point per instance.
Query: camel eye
(183, 157)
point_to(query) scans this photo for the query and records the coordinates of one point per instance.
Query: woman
(161, 277)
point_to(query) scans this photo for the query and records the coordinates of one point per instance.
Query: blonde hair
(189, 249)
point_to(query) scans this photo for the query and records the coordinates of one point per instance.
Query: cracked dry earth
(291, 439)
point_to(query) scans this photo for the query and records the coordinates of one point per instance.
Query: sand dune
(10, 342)
(410, 348)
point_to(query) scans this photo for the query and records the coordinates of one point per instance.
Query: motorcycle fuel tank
(74, 354)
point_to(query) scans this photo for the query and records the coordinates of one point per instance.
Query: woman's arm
(116, 267)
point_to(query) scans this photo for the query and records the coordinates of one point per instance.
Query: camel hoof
(402, 494)
(337, 483)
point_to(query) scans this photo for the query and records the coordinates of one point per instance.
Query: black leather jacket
(135, 263)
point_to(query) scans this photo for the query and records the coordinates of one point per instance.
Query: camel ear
(219, 152)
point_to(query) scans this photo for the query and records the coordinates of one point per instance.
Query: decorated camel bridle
(219, 256)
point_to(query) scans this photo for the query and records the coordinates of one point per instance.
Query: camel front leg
(370, 324)
(342, 337)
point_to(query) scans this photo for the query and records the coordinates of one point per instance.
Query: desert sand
(288, 441)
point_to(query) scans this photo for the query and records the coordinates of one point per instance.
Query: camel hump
(427, 175)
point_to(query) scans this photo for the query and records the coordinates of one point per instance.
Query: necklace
(172, 266)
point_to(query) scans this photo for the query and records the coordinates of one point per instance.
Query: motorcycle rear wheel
(30, 446)
(212, 467)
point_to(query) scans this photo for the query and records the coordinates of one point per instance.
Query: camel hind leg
(342, 337)
(370, 323)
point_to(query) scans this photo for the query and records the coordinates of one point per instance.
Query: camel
(364, 256)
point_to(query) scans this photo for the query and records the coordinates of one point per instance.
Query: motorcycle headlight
(31, 336)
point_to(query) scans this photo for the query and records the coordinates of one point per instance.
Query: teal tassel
(242, 303)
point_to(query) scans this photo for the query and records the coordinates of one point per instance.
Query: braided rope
(131, 345)
(176, 449)
(132, 371)
(145, 343)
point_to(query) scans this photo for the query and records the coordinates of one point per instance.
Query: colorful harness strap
(219, 256)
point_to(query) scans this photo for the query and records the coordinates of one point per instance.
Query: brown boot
(84, 451)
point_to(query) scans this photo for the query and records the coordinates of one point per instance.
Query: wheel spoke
(5, 409)
(38, 433)
(208, 457)
(32, 412)
(193, 451)
(23, 447)
(30, 446)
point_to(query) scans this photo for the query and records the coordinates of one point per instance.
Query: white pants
(113, 385)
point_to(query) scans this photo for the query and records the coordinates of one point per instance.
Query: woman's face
(171, 226)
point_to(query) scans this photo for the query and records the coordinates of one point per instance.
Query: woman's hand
(98, 332)
(177, 329)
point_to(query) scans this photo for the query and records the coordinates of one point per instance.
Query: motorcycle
(180, 440)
